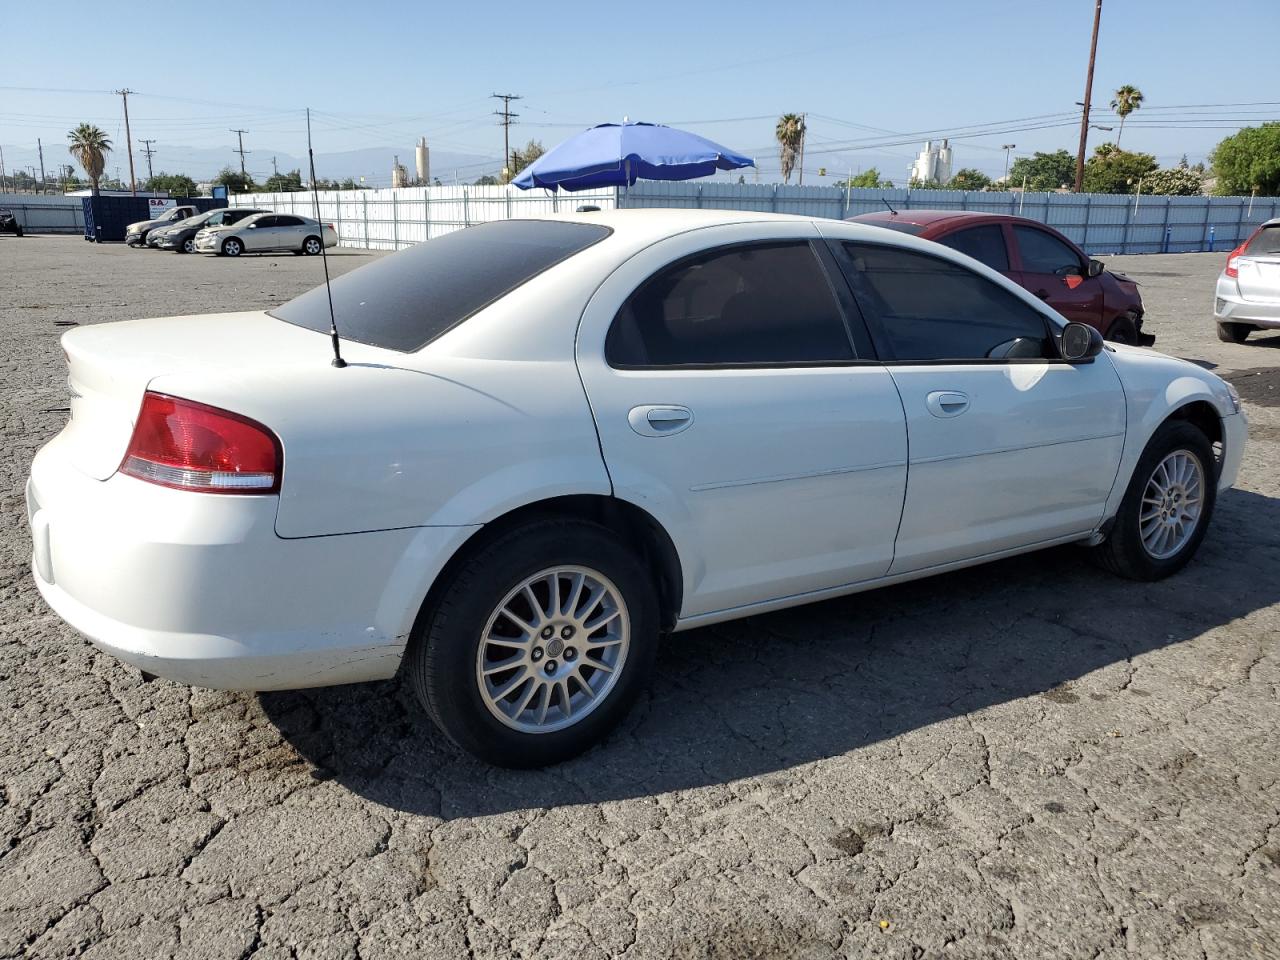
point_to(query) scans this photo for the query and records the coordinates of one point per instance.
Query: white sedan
(267, 233)
(556, 440)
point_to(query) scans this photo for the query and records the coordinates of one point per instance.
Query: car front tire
(1167, 507)
(1234, 332)
(537, 644)
(231, 247)
(1122, 330)
(187, 246)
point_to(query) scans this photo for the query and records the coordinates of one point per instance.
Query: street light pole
(1007, 147)
(1088, 95)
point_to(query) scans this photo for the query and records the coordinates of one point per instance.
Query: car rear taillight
(191, 446)
(1233, 261)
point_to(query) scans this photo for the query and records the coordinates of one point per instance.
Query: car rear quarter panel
(375, 447)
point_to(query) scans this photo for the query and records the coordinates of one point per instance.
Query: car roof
(927, 218)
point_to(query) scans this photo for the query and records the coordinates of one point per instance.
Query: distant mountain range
(203, 163)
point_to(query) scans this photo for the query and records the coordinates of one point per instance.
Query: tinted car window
(927, 308)
(1043, 252)
(985, 244)
(288, 222)
(264, 222)
(750, 304)
(404, 301)
(1267, 241)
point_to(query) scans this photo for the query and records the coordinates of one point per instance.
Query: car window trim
(883, 347)
(833, 288)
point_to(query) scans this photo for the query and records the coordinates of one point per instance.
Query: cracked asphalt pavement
(1027, 759)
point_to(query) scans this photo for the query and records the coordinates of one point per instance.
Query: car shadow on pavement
(762, 695)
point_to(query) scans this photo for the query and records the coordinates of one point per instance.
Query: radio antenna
(324, 257)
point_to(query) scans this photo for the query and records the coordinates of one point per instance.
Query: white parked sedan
(267, 233)
(556, 440)
(1248, 293)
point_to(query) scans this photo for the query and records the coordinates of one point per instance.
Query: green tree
(925, 185)
(521, 157)
(235, 181)
(1043, 171)
(174, 184)
(969, 179)
(790, 135)
(1248, 161)
(90, 146)
(1117, 171)
(488, 180)
(868, 179)
(290, 182)
(1126, 100)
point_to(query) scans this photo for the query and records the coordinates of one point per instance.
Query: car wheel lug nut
(567, 632)
(550, 668)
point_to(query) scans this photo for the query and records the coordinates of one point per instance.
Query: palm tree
(90, 146)
(1127, 99)
(790, 134)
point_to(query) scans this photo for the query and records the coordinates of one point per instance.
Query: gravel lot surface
(1029, 759)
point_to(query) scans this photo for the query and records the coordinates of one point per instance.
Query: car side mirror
(1080, 342)
(250, 226)
(1096, 267)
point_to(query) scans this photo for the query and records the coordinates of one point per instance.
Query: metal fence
(39, 213)
(1100, 223)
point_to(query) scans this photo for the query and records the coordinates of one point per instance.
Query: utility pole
(1088, 95)
(507, 118)
(148, 152)
(1, 169)
(804, 135)
(242, 151)
(128, 138)
(40, 148)
(1006, 147)
(275, 171)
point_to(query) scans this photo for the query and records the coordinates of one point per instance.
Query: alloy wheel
(1172, 504)
(553, 649)
(313, 247)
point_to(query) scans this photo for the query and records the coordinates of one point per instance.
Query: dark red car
(1036, 257)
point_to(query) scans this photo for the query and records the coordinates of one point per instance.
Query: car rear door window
(765, 303)
(287, 222)
(927, 309)
(985, 244)
(404, 301)
(1043, 252)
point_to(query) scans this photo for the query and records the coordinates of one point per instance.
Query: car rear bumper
(1230, 307)
(198, 588)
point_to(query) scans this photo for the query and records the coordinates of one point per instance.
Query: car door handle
(946, 403)
(657, 420)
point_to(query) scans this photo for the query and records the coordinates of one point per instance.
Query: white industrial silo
(424, 161)
(942, 169)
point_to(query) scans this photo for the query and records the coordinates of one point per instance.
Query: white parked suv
(1248, 293)
(553, 441)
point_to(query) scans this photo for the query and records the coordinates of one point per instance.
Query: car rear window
(404, 301)
(1266, 241)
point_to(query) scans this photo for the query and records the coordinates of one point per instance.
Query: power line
(507, 118)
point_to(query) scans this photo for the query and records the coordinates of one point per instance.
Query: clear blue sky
(379, 74)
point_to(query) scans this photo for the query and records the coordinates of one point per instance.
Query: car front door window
(1054, 272)
(1044, 253)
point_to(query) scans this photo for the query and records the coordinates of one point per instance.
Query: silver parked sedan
(267, 233)
(1248, 294)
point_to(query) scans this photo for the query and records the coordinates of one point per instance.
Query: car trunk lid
(112, 364)
(1259, 277)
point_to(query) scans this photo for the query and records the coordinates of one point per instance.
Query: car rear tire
(17, 231)
(1234, 332)
(231, 247)
(1123, 330)
(1166, 508)
(312, 246)
(577, 662)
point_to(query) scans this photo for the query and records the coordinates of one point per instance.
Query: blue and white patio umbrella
(619, 154)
